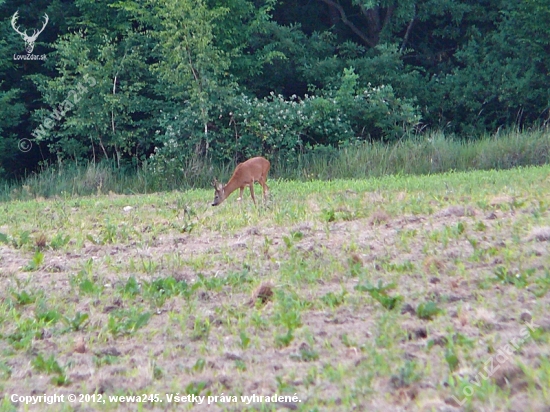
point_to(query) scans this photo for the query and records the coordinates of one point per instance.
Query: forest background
(181, 89)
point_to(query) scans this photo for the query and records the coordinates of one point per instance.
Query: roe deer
(245, 174)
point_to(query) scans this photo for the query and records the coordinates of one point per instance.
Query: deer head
(29, 40)
(218, 192)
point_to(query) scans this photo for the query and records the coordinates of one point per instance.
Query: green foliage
(12, 111)
(305, 354)
(498, 82)
(77, 322)
(333, 300)
(285, 127)
(406, 376)
(519, 279)
(47, 316)
(163, 288)
(122, 322)
(23, 298)
(245, 340)
(100, 105)
(201, 329)
(168, 87)
(27, 329)
(282, 341)
(51, 367)
(59, 241)
(542, 284)
(380, 293)
(36, 262)
(427, 310)
(451, 358)
(48, 365)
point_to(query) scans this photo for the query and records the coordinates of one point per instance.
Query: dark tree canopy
(163, 81)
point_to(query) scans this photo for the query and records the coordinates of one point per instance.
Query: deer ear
(215, 183)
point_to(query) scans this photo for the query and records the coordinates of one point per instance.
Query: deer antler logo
(29, 40)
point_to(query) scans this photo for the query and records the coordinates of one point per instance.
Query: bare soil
(162, 356)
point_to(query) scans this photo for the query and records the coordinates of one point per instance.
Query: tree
(502, 77)
(102, 103)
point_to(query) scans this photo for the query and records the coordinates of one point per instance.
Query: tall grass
(434, 153)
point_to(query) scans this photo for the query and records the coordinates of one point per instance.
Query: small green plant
(266, 245)
(292, 239)
(24, 239)
(87, 286)
(199, 365)
(5, 371)
(48, 365)
(4, 238)
(306, 354)
(84, 280)
(161, 289)
(245, 340)
(77, 322)
(290, 318)
(210, 283)
(406, 376)
(123, 322)
(347, 341)
(158, 373)
(404, 267)
(380, 293)
(131, 288)
(459, 229)
(188, 216)
(23, 298)
(35, 263)
(542, 285)
(328, 215)
(451, 358)
(240, 365)
(282, 386)
(480, 226)
(108, 234)
(149, 266)
(333, 300)
(462, 340)
(27, 329)
(355, 267)
(287, 314)
(47, 316)
(282, 341)
(201, 329)
(105, 359)
(195, 388)
(427, 310)
(51, 367)
(520, 279)
(59, 241)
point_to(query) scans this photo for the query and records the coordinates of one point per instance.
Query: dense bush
(282, 128)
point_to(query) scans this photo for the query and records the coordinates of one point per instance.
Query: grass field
(397, 293)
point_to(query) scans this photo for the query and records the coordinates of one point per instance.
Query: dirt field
(352, 298)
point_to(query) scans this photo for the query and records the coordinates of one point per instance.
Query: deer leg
(265, 188)
(241, 194)
(252, 192)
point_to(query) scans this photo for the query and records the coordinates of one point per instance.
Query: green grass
(414, 155)
(393, 290)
